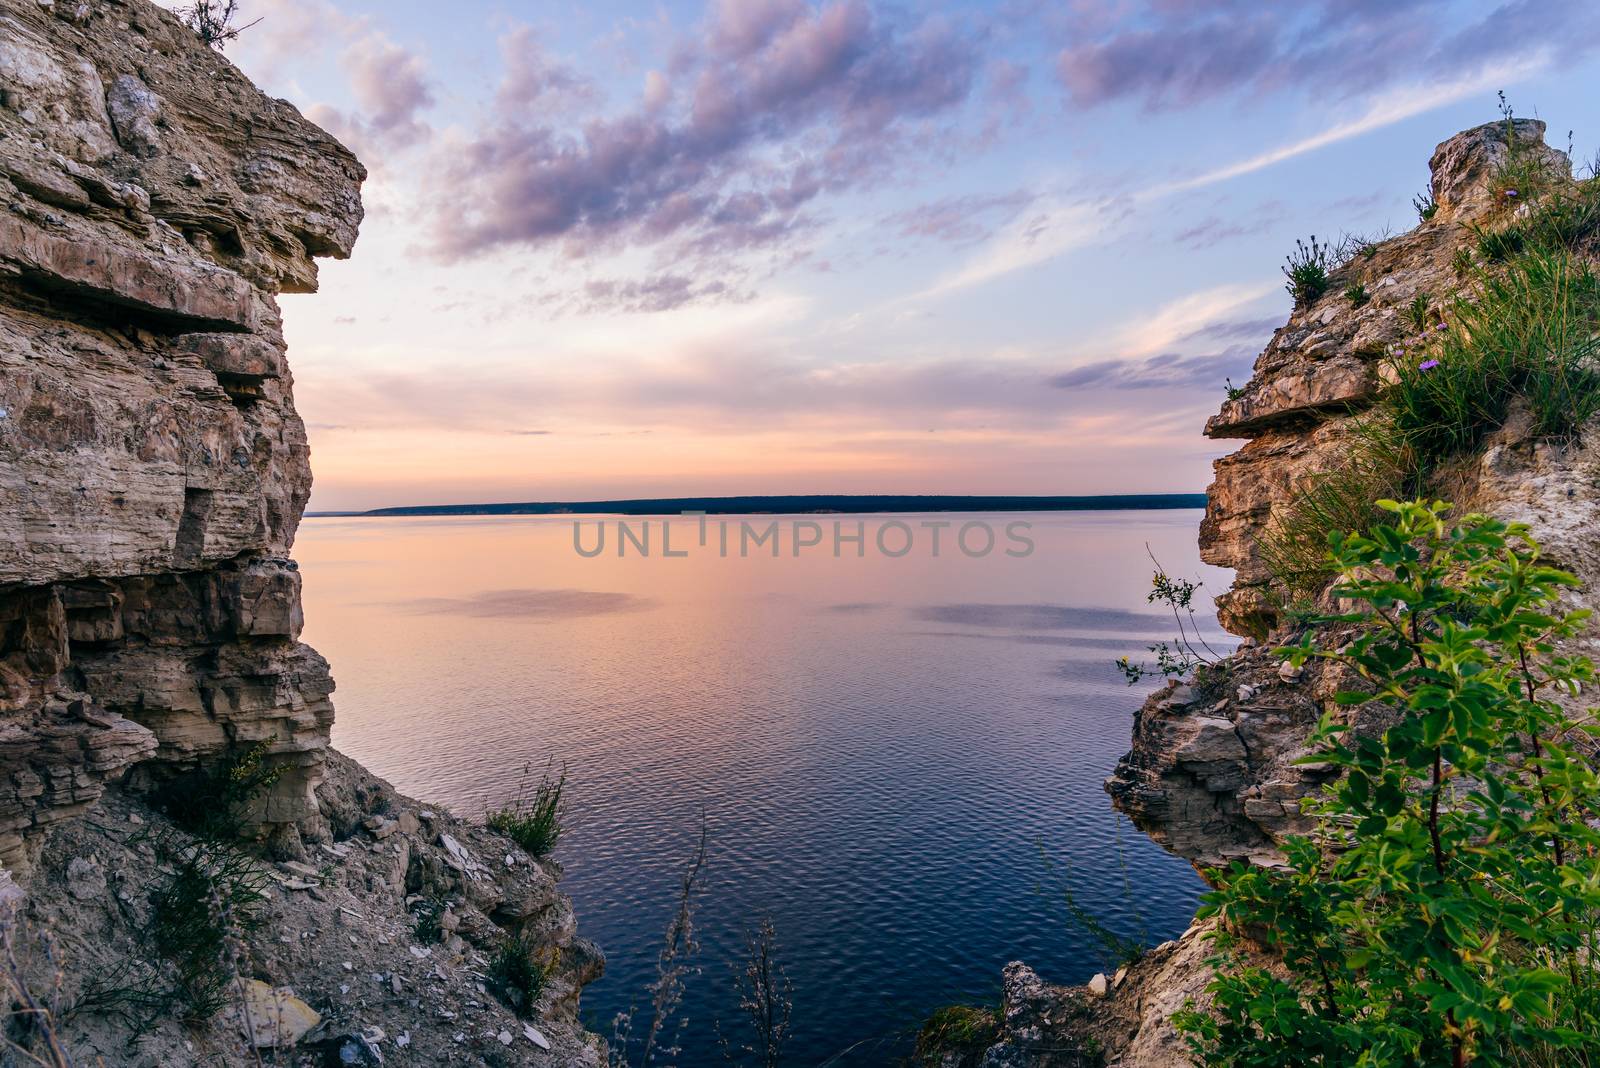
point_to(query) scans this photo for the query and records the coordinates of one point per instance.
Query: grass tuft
(958, 1031)
(534, 817)
(1306, 270)
(1528, 331)
(1500, 245)
(516, 977)
(427, 927)
(1377, 464)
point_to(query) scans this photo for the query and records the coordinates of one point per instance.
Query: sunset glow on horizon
(770, 246)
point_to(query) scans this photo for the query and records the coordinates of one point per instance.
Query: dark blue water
(898, 761)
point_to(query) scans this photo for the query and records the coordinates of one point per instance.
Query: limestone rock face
(152, 466)
(1464, 165)
(1186, 782)
(1323, 366)
(153, 471)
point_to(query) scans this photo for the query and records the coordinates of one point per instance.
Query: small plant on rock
(1234, 392)
(1306, 269)
(1356, 294)
(197, 916)
(516, 976)
(426, 927)
(534, 817)
(1188, 651)
(1354, 247)
(1522, 177)
(213, 20)
(1416, 312)
(1426, 206)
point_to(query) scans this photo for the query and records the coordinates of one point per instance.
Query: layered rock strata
(153, 471)
(152, 466)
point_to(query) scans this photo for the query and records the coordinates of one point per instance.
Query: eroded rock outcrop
(1218, 768)
(1208, 816)
(153, 471)
(152, 466)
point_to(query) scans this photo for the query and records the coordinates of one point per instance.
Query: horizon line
(797, 504)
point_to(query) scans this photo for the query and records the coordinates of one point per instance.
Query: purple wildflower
(1511, 192)
(1442, 326)
(1427, 365)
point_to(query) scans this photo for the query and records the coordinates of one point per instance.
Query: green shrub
(1447, 909)
(516, 977)
(1356, 294)
(196, 915)
(1529, 331)
(533, 819)
(1306, 269)
(1566, 217)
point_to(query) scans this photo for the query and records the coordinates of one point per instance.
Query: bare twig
(213, 21)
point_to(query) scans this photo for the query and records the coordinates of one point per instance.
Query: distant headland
(803, 504)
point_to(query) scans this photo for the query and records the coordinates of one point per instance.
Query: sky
(780, 246)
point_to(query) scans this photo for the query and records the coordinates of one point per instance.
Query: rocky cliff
(153, 471)
(1212, 774)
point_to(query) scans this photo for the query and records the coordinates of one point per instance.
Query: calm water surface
(899, 760)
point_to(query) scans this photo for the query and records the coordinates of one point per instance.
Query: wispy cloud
(1043, 236)
(1388, 108)
(1187, 316)
(1050, 229)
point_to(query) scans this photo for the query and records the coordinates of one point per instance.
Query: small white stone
(1099, 985)
(534, 1035)
(504, 1038)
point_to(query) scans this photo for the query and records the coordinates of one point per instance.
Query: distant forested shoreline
(804, 504)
